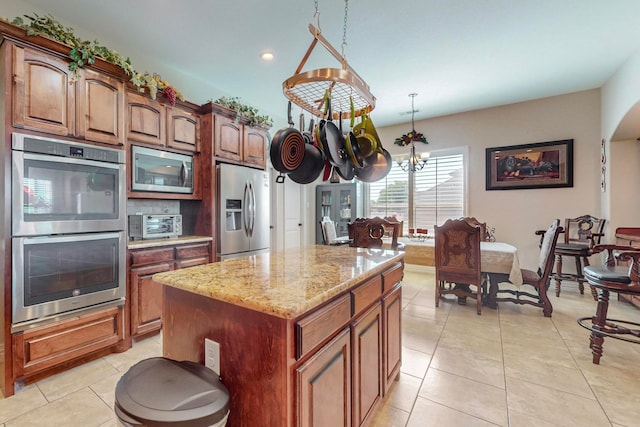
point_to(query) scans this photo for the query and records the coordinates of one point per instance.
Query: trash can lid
(159, 391)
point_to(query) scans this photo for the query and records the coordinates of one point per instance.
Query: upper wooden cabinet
(230, 139)
(151, 122)
(46, 99)
(100, 112)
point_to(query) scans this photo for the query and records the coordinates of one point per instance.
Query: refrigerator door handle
(252, 217)
(246, 209)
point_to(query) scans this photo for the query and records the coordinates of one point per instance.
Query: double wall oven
(68, 228)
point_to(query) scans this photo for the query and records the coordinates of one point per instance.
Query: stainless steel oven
(161, 171)
(68, 246)
(53, 275)
(66, 187)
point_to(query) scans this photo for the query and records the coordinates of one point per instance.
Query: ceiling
(457, 55)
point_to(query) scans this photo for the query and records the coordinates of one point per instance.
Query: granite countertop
(152, 243)
(285, 283)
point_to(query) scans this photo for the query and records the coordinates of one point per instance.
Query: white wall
(517, 214)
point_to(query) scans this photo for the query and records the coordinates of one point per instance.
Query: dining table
(499, 263)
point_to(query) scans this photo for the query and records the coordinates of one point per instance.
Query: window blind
(436, 193)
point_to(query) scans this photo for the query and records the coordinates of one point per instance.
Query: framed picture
(539, 165)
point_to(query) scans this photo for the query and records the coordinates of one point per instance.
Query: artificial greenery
(84, 52)
(410, 137)
(245, 111)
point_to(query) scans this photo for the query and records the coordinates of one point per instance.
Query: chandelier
(414, 162)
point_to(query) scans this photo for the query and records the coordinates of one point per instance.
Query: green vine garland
(84, 52)
(250, 113)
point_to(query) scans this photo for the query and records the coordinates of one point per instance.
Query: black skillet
(287, 147)
(332, 140)
(346, 170)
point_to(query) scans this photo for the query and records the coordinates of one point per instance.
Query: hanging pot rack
(307, 89)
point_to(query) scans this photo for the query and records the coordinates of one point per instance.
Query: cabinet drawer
(41, 348)
(192, 251)
(392, 276)
(152, 256)
(314, 328)
(366, 294)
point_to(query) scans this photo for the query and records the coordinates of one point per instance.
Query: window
(424, 198)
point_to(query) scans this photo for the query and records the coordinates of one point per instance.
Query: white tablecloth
(498, 257)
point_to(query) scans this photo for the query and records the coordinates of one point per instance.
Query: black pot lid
(158, 390)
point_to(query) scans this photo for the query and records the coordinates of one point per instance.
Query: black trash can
(160, 392)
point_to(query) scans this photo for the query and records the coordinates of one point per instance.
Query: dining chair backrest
(328, 229)
(474, 222)
(457, 252)
(368, 232)
(547, 247)
(583, 229)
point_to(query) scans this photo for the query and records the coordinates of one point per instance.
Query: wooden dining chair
(457, 261)
(538, 279)
(581, 234)
(368, 232)
(329, 234)
(476, 223)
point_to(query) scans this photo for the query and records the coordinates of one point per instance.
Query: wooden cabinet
(324, 385)
(151, 122)
(46, 99)
(238, 142)
(325, 367)
(145, 294)
(366, 349)
(628, 236)
(232, 140)
(42, 348)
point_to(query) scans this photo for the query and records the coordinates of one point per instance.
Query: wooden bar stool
(581, 234)
(612, 278)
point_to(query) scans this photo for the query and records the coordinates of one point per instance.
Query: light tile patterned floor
(507, 367)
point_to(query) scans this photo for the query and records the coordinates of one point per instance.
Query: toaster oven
(154, 226)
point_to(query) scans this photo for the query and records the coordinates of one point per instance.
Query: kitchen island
(308, 337)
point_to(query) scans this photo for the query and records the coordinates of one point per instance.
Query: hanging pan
(313, 162)
(376, 167)
(333, 141)
(346, 170)
(287, 147)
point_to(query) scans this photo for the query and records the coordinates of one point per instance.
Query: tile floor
(508, 367)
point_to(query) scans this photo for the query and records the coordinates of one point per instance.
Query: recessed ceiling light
(266, 55)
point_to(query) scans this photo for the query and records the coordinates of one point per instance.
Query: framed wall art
(539, 165)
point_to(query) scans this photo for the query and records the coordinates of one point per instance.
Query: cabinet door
(100, 113)
(323, 386)
(392, 336)
(44, 95)
(366, 345)
(228, 139)
(255, 143)
(146, 298)
(146, 120)
(183, 129)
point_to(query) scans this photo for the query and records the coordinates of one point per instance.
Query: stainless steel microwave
(161, 171)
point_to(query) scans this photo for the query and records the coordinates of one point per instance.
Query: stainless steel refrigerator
(243, 211)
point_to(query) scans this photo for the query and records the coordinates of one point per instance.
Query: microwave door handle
(184, 172)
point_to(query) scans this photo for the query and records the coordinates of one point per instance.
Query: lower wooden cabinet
(324, 382)
(145, 294)
(366, 336)
(392, 336)
(42, 348)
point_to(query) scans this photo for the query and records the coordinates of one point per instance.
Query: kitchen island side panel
(255, 353)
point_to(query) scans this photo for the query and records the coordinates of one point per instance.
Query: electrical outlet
(212, 355)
